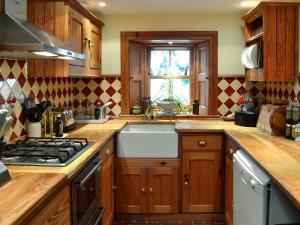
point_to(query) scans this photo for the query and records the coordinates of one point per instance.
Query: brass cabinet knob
(202, 143)
(143, 189)
(107, 151)
(150, 189)
(114, 187)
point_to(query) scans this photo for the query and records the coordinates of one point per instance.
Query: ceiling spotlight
(248, 4)
(102, 4)
(170, 42)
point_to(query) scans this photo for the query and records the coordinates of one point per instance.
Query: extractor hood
(21, 40)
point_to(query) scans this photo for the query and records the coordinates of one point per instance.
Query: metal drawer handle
(231, 151)
(202, 143)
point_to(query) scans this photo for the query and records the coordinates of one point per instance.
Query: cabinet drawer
(107, 150)
(203, 141)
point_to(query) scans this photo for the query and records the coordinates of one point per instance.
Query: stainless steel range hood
(19, 39)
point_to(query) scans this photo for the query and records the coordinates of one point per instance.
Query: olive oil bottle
(48, 122)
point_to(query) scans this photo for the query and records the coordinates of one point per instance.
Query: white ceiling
(136, 7)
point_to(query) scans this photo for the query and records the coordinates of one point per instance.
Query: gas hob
(44, 151)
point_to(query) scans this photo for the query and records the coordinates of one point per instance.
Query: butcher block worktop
(25, 193)
(280, 158)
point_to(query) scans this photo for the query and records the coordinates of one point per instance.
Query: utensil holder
(34, 129)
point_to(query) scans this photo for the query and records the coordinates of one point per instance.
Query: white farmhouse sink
(147, 141)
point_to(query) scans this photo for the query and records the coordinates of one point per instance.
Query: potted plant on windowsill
(170, 103)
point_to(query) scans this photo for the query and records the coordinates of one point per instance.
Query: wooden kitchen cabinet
(201, 173)
(146, 186)
(107, 196)
(272, 26)
(162, 190)
(56, 211)
(131, 189)
(68, 21)
(107, 192)
(229, 149)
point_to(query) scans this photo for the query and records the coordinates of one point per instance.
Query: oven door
(86, 208)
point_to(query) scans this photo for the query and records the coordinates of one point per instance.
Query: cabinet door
(131, 189)
(57, 211)
(202, 181)
(162, 190)
(229, 190)
(107, 194)
(94, 49)
(77, 33)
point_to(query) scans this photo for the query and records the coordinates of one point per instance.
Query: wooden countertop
(97, 133)
(25, 193)
(279, 157)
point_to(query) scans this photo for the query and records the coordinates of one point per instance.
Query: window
(170, 70)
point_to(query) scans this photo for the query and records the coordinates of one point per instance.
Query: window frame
(147, 37)
(190, 77)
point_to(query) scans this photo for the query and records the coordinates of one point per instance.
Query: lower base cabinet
(147, 186)
(202, 178)
(57, 211)
(107, 192)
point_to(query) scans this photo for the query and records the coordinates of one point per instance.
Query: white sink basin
(147, 141)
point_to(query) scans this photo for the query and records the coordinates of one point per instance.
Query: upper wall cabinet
(70, 22)
(271, 28)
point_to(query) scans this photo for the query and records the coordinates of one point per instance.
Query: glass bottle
(48, 122)
(295, 114)
(289, 114)
(59, 127)
(288, 131)
(297, 137)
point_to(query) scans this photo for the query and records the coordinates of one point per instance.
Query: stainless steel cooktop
(45, 151)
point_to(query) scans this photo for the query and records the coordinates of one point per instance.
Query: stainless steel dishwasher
(257, 200)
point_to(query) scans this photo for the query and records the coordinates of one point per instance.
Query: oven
(86, 207)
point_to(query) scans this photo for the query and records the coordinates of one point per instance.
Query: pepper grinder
(196, 107)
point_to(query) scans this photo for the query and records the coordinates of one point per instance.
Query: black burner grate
(43, 150)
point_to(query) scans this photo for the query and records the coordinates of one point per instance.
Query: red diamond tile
(110, 91)
(86, 80)
(59, 93)
(31, 81)
(110, 80)
(229, 103)
(22, 118)
(229, 91)
(13, 136)
(11, 62)
(21, 80)
(86, 91)
(21, 63)
(98, 91)
(40, 95)
(254, 91)
(241, 90)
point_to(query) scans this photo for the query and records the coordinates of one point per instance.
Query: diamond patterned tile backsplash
(283, 91)
(14, 85)
(99, 89)
(231, 88)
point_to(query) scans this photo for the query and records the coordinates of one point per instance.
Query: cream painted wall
(229, 27)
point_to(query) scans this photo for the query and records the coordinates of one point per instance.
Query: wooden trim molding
(211, 36)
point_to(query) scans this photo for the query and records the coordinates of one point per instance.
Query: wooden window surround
(194, 36)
